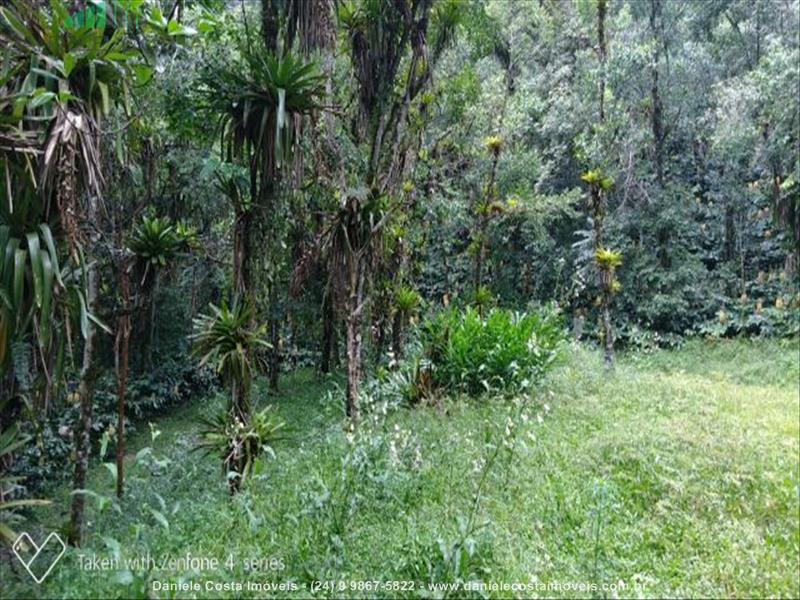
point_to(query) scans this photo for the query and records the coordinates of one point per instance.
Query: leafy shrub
(172, 382)
(505, 351)
(752, 319)
(10, 440)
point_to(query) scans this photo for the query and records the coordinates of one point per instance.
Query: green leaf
(42, 99)
(47, 236)
(122, 577)
(8, 270)
(162, 520)
(92, 76)
(20, 256)
(112, 468)
(47, 299)
(36, 266)
(5, 234)
(84, 316)
(17, 26)
(141, 454)
(23, 502)
(143, 73)
(69, 63)
(100, 324)
(104, 95)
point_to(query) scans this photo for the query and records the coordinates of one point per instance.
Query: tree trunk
(353, 364)
(270, 24)
(151, 333)
(121, 346)
(657, 122)
(479, 255)
(380, 316)
(608, 331)
(602, 5)
(239, 411)
(729, 241)
(483, 224)
(328, 333)
(85, 393)
(354, 309)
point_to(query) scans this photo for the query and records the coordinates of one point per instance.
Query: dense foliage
(503, 351)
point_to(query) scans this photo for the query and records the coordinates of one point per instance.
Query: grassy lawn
(677, 475)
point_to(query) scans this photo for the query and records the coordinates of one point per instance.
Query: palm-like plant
(262, 100)
(156, 240)
(406, 303)
(607, 260)
(69, 78)
(60, 78)
(225, 339)
(56, 83)
(483, 299)
(599, 184)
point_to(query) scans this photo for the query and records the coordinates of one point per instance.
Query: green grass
(678, 472)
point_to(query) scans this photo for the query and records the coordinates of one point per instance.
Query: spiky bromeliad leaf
(223, 435)
(224, 339)
(259, 100)
(608, 259)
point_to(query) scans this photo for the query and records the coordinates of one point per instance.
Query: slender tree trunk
(608, 331)
(480, 252)
(354, 309)
(328, 333)
(239, 411)
(121, 347)
(239, 236)
(729, 241)
(380, 316)
(606, 278)
(353, 365)
(602, 6)
(151, 334)
(85, 393)
(270, 24)
(657, 122)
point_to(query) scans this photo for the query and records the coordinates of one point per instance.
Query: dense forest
(349, 252)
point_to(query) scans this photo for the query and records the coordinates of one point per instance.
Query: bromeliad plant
(406, 303)
(240, 444)
(607, 261)
(156, 240)
(261, 101)
(226, 340)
